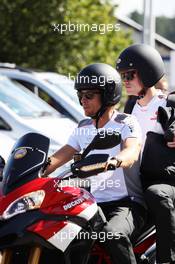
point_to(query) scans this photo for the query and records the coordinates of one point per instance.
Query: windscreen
(26, 159)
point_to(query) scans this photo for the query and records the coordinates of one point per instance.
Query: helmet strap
(142, 92)
(144, 89)
(99, 114)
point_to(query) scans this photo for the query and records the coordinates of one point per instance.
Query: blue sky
(160, 7)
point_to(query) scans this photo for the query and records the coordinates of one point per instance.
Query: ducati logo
(76, 202)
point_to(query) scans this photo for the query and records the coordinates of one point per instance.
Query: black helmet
(103, 77)
(146, 60)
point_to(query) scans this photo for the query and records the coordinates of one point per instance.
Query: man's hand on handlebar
(113, 163)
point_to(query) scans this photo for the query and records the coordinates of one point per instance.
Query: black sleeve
(130, 104)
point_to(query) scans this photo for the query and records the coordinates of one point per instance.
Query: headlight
(25, 203)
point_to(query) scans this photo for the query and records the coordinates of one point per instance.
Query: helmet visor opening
(128, 75)
(89, 95)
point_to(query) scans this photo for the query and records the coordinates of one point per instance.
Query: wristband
(119, 162)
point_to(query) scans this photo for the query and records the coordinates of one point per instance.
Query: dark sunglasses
(128, 76)
(88, 95)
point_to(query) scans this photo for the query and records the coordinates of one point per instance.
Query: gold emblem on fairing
(20, 153)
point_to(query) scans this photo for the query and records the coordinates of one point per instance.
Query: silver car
(21, 112)
(58, 96)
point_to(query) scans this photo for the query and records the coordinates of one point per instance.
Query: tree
(137, 17)
(31, 34)
(26, 34)
(93, 40)
(165, 27)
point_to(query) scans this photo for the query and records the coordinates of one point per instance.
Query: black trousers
(125, 220)
(161, 202)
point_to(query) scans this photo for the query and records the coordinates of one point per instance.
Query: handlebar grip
(99, 165)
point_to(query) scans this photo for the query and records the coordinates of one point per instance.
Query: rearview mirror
(103, 141)
(2, 164)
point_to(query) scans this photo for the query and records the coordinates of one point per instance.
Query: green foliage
(30, 36)
(95, 44)
(165, 27)
(137, 17)
(26, 34)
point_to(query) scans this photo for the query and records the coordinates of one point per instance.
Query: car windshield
(21, 101)
(65, 84)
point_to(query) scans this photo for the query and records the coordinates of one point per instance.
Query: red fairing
(47, 229)
(55, 201)
(68, 201)
(32, 186)
(64, 201)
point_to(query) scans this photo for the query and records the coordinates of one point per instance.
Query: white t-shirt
(147, 115)
(118, 184)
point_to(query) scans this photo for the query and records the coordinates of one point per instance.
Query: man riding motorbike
(118, 192)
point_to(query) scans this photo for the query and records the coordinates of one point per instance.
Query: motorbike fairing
(67, 210)
(25, 230)
(26, 159)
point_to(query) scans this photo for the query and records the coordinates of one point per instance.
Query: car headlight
(25, 203)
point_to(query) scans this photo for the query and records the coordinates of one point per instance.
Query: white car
(6, 145)
(57, 96)
(22, 112)
(63, 83)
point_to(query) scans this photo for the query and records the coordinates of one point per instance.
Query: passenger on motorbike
(121, 199)
(141, 67)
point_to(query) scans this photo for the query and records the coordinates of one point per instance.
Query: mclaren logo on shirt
(155, 116)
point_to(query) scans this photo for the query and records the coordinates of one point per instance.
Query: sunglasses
(88, 95)
(128, 76)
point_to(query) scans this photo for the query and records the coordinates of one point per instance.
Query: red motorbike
(55, 218)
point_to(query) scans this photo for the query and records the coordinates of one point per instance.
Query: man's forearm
(59, 158)
(130, 153)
